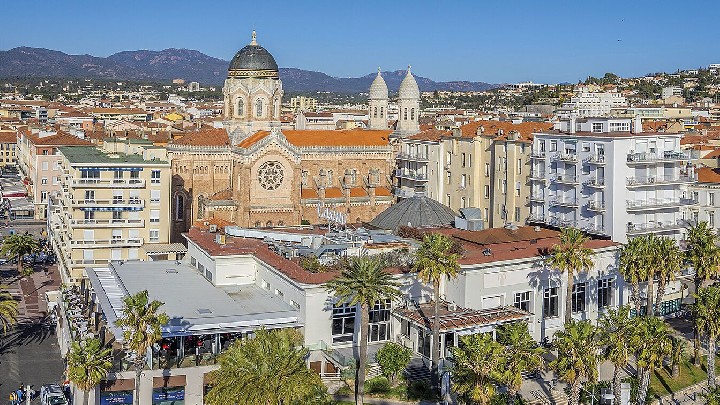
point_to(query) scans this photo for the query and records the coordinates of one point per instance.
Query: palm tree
(571, 257)
(88, 364)
(617, 327)
(363, 282)
(703, 254)
(140, 322)
(633, 267)
(8, 309)
(707, 320)
(667, 261)
(434, 261)
(653, 341)
(577, 359)
(268, 369)
(712, 396)
(477, 363)
(677, 354)
(521, 355)
(18, 246)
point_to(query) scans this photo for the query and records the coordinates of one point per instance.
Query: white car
(52, 394)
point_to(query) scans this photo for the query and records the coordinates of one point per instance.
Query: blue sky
(544, 41)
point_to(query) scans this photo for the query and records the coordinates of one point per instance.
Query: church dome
(409, 88)
(378, 88)
(252, 61)
(419, 211)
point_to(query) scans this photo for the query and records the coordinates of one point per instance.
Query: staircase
(555, 398)
(417, 370)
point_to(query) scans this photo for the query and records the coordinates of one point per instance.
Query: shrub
(377, 385)
(419, 390)
(393, 359)
(311, 264)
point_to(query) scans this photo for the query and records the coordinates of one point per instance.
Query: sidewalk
(382, 401)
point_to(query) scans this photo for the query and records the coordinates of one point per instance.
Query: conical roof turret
(378, 88)
(409, 88)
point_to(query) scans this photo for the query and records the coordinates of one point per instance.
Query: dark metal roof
(418, 212)
(253, 57)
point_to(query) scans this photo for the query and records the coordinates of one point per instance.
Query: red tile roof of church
(205, 137)
(348, 137)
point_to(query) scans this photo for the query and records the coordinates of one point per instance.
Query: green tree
(363, 283)
(141, 322)
(703, 254)
(88, 364)
(268, 369)
(707, 319)
(616, 328)
(633, 266)
(521, 355)
(653, 341)
(434, 261)
(477, 363)
(712, 396)
(677, 355)
(577, 360)
(393, 359)
(18, 246)
(666, 261)
(571, 257)
(8, 309)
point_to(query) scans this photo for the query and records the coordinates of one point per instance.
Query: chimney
(637, 125)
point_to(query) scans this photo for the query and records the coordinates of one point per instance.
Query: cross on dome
(254, 38)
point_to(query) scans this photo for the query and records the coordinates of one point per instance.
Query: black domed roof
(253, 57)
(419, 211)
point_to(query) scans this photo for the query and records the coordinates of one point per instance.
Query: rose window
(270, 175)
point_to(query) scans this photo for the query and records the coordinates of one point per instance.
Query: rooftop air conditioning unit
(213, 228)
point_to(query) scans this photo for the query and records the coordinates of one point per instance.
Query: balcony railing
(135, 202)
(656, 157)
(595, 159)
(413, 156)
(536, 154)
(553, 220)
(654, 203)
(656, 226)
(406, 174)
(537, 175)
(565, 179)
(92, 223)
(594, 229)
(595, 182)
(596, 205)
(112, 183)
(107, 242)
(564, 202)
(81, 262)
(565, 157)
(536, 218)
(656, 180)
(536, 196)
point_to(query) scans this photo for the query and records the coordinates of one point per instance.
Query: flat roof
(195, 305)
(91, 154)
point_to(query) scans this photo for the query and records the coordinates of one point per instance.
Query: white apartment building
(607, 177)
(707, 193)
(592, 104)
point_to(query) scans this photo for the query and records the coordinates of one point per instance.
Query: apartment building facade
(113, 206)
(608, 177)
(707, 193)
(40, 164)
(8, 148)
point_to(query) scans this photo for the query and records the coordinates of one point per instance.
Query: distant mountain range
(191, 65)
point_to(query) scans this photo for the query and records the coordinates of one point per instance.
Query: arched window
(240, 108)
(257, 224)
(375, 112)
(405, 114)
(329, 178)
(382, 112)
(412, 113)
(259, 108)
(179, 207)
(268, 224)
(353, 176)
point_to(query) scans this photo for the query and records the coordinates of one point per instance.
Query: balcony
(649, 158)
(566, 157)
(406, 193)
(537, 154)
(564, 202)
(634, 182)
(537, 175)
(597, 182)
(595, 159)
(536, 219)
(98, 243)
(537, 197)
(410, 175)
(414, 157)
(657, 226)
(594, 229)
(658, 203)
(132, 203)
(107, 223)
(84, 262)
(598, 206)
(108, 183)
(559, 222)
(565, 179)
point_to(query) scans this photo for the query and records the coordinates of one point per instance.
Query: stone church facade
(254, 175)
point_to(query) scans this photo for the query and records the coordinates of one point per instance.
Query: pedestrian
(13, 398)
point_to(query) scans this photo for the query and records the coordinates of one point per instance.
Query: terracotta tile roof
(712, 155)
(8, 137)
(358, 192)
(205, 137)
(347, 137)
(333, 192)
(492, 128)
(308, 193)
(460, 318)
(430, 135)
(117, 111)
(708, 175)
(382, 192)
(222, 195)
(59, 139)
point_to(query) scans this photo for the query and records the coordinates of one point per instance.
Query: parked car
(52, 394)
(3, 261)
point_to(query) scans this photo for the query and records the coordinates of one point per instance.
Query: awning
(162, 248)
